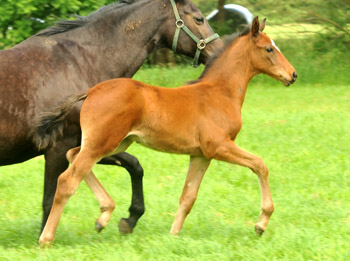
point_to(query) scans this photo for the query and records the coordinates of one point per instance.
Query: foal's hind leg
(106, 203)
(196, 171)
(137, 207)
(67, 184)
(230, 152)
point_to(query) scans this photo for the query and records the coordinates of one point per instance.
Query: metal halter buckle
(179, 23)
(201, 45)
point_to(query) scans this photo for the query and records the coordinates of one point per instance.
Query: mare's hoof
(98, 226)
(124, 227)
(259, 231)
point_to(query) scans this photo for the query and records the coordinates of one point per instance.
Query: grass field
(301, 132)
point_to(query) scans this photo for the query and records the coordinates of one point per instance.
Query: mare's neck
(118, 41)
(232, 71)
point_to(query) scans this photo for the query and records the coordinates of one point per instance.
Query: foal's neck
(232, 71)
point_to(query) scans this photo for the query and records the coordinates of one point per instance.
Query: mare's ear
(255, 27)
(262, 25)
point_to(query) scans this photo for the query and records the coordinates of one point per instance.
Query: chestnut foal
(200, 119)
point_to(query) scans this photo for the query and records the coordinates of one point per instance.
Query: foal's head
(267, 57)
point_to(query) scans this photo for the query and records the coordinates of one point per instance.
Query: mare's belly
(15, 145)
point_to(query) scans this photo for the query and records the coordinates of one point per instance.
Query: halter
(201, 43)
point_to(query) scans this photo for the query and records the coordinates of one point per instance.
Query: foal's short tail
(49, 125)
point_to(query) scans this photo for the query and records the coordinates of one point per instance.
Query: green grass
(301, 132)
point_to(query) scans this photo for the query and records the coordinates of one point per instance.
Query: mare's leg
(137, 207)
(230, 152)
(105, 201)
(67, 184)
(55, 164)
(196, 171)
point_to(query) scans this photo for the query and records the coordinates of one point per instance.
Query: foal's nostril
(295, 76)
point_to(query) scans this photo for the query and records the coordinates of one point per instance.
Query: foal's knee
(260, 167)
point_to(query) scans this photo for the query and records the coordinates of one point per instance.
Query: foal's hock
(201, 120)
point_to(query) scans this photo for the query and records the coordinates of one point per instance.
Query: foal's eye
(269, 49)
(199, 20)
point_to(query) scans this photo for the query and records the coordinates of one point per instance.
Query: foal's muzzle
(289, 82)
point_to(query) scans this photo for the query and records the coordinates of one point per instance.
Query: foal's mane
(67, 25)
(227, 40)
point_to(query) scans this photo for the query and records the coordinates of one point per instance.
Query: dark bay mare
(73, 56)
(201, 120)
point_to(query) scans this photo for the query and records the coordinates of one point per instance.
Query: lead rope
(201, 43)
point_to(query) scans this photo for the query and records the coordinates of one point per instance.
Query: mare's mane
(67, 25)
(227, 40)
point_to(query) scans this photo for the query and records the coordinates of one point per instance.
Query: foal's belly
(164, 143)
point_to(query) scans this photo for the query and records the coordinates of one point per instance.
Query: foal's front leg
(196, 171)
(230, 152)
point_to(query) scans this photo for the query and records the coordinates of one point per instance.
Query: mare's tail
(49, 125)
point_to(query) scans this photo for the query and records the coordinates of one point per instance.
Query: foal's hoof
(124, 227)
(259, 231)
(98, 226)
(46, 244)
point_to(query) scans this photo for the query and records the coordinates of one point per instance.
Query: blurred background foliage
(314, 35)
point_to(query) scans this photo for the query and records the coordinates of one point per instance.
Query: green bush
(20, 19)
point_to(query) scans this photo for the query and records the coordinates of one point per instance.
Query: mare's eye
(269, 49)
(199, 20)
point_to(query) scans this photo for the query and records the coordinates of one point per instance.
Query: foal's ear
(262, 25)
(255, 27)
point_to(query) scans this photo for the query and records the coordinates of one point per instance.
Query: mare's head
(201, 41)
(267, 58)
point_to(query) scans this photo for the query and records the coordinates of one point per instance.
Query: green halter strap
(201, 43)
